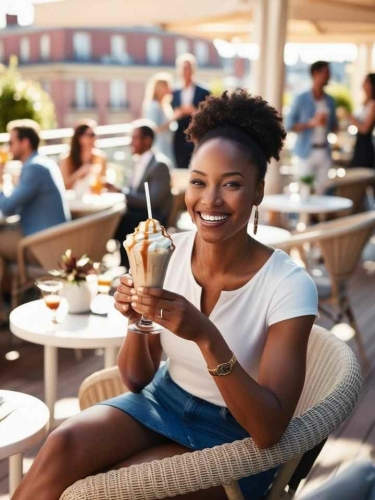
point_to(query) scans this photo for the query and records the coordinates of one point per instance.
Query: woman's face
(87, 139)
(162, 89)
(367, 87)
(222, 190)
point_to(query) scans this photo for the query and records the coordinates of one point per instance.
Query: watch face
(223, 369)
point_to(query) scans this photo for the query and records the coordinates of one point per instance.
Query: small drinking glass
(50, 290)
(104, 283)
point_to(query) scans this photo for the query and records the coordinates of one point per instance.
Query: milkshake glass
(149, 249)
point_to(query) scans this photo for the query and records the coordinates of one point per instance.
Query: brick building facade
(101, 72)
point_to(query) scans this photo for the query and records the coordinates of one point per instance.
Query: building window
(1, 51)
(201, 52)
(117, 94)
(45, 47)
(24, 49)
(154, 50)
(181, 46)
(118, 48)
(84, 94)
(82, 46)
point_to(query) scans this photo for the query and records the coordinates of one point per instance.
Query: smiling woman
(236, 318)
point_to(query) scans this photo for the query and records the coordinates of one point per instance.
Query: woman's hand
(173, 312)
(123, 298)
(83, 171)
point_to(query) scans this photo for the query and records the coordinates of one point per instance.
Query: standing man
(150, 167)
(39, 196)
(186, 100)
(312, 117)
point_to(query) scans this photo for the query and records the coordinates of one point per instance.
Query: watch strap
(223, 369)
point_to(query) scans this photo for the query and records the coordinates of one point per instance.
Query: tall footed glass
(149, 249)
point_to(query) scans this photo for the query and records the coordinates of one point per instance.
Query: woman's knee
(63, 442)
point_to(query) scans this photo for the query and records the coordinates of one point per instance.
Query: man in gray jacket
(150, 167)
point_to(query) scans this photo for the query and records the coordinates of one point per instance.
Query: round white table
(91, 203)
(314, 204)
(32, 322)
(268, 235)
(22, 429)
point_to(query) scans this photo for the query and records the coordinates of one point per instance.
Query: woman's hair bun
(260, 121)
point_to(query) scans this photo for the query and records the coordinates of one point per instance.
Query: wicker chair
(354, 186)
(333, 383)
(341, 243)
(43, 249)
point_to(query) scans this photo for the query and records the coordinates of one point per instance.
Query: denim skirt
(167, 409)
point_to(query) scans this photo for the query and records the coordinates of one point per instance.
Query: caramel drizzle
(146, 242)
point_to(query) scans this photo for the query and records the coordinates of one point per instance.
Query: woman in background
(364, 153)
(157, 108)
(83, 158)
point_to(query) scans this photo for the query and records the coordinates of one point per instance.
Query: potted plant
(306, 185)
(80, 281)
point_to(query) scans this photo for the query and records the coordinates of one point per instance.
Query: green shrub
(341, 95)
(23, 99)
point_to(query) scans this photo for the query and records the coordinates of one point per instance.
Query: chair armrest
(223, 464)
(100, 386)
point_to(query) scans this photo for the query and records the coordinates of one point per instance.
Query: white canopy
(309, 20)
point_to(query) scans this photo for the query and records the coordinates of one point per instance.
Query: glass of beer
(50, 290)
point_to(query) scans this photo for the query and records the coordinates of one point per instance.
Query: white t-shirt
(319, 135)
(280, 290)
(187, 95)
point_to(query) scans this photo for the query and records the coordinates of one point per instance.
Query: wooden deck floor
(354, 440)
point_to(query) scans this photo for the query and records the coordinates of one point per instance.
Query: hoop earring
(256, 220)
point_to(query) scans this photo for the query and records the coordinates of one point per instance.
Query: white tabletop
(90, 203)
(32, 322)
(268, 235)
(25, 426)
(314, 204)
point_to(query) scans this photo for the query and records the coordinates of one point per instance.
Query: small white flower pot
(79, 295)
(304, 191)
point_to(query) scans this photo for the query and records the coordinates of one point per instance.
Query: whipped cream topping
(150, 235)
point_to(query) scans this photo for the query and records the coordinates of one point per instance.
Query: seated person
(228, 302)
(39, 196)
(83, 160)
(151, 167)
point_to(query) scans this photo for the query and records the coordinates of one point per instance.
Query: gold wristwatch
(223, 368)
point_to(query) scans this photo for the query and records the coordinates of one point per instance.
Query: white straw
(148, 201)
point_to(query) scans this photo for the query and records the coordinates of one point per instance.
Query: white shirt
(187, 95)
(140, 168)
(280, 290)
(319, 135)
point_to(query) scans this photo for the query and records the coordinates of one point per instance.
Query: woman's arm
(140, 355)
(71, 177)
(264, 408)
(139, 359)
(366, 126)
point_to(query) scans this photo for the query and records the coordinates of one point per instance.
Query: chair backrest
(341, 242)
(178, 206)
(353, 186)
(333, 375)
(87, 235)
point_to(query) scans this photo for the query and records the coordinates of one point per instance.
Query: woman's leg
(86, 444)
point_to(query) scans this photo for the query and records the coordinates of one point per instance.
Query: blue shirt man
(39, 196)
(312, 117)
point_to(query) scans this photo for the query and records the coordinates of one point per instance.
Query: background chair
(341, 243)
(332, 386)
(354, 185)
(38, 253)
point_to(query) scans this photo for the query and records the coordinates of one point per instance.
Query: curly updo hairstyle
(248, 121)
